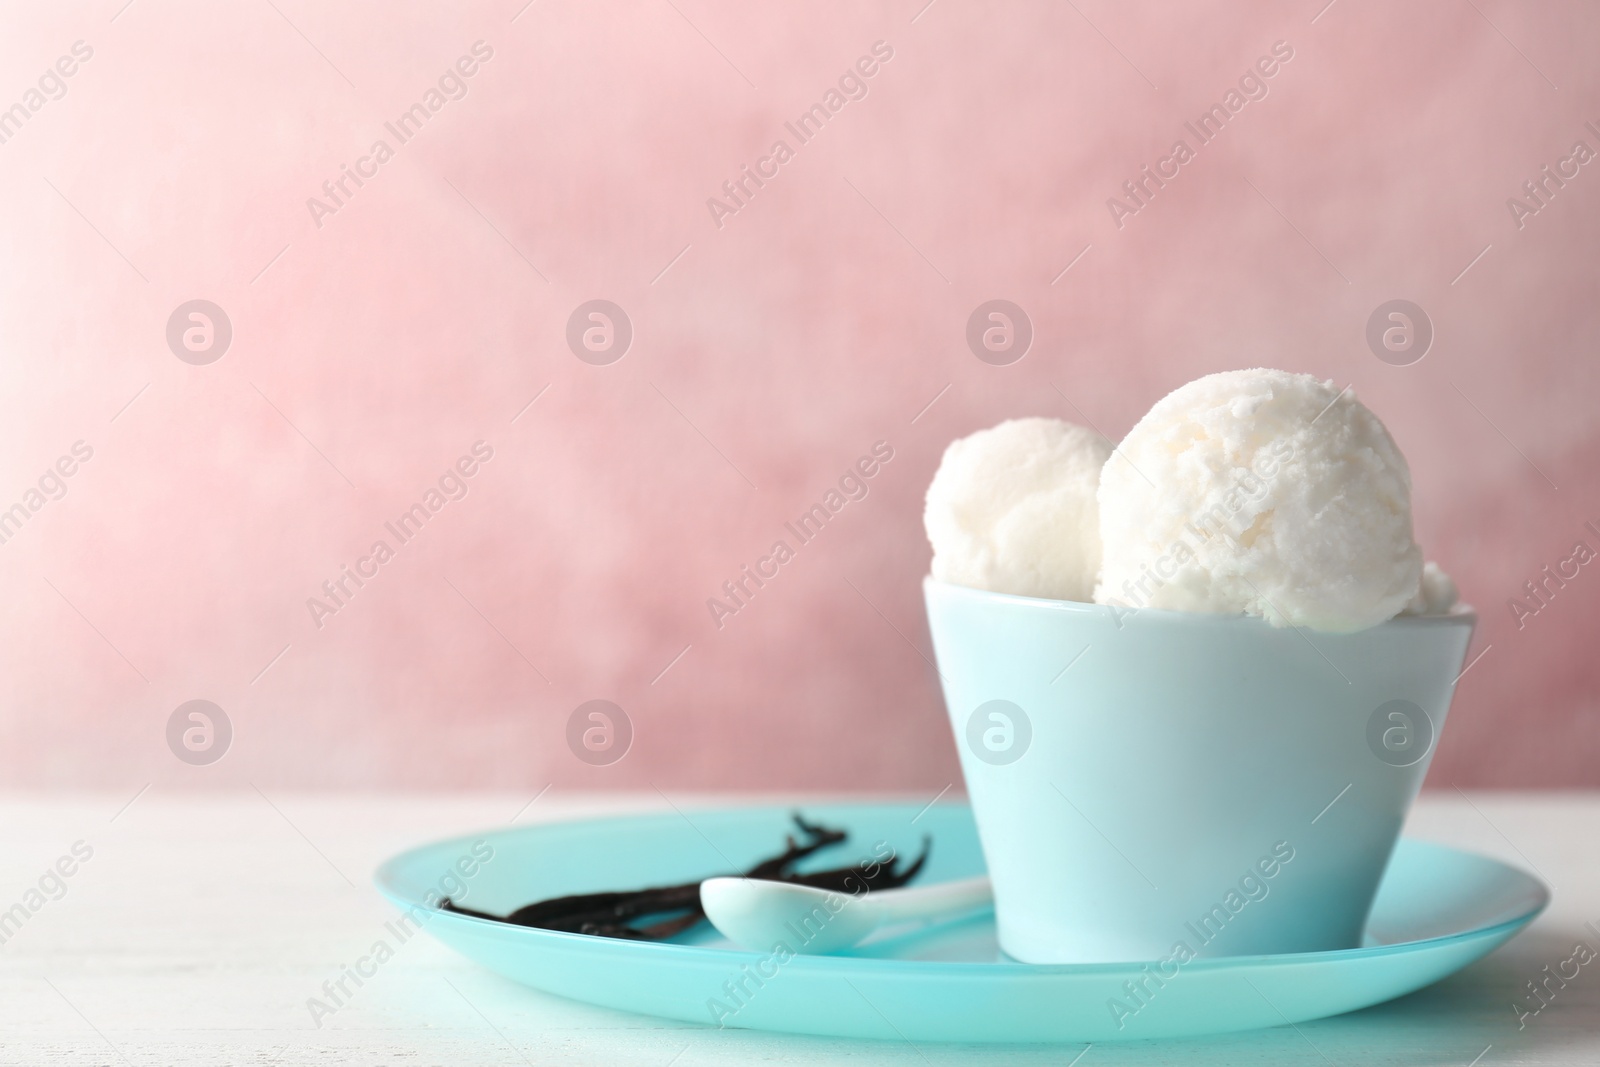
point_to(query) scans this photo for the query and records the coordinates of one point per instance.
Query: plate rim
(383, 875)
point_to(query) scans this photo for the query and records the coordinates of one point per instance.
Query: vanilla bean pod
(601, 912)
(607, 914)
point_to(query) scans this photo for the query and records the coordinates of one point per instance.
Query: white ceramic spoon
(816, 922)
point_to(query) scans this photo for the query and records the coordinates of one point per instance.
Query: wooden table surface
(200, 924)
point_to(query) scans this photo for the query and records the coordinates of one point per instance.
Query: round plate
(1438, 910)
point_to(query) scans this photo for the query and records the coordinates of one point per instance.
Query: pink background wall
(372, 351)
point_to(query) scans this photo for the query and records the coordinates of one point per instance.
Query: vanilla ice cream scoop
(1436, 595)
(1262, 492)
(1012, 509)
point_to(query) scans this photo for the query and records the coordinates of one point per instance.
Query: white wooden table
(201, 925)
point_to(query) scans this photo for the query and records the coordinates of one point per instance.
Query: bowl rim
(1458, 615)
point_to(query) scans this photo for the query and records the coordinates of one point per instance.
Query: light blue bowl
(1153, 783)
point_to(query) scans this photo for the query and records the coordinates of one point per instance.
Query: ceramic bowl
(1152, 784)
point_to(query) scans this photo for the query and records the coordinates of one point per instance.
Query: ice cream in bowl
(1195, 680)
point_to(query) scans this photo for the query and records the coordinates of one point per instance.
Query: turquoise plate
(1438, 910)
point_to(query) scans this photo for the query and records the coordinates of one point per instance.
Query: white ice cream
(1012, 509)
(1436, 595)
(1263, 492)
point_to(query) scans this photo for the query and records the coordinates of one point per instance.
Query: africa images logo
(853, 485)
(1204, 129)
(50, 86)
(451, 85)
(998, 732)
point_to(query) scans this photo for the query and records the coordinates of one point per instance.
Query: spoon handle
(946, 898)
